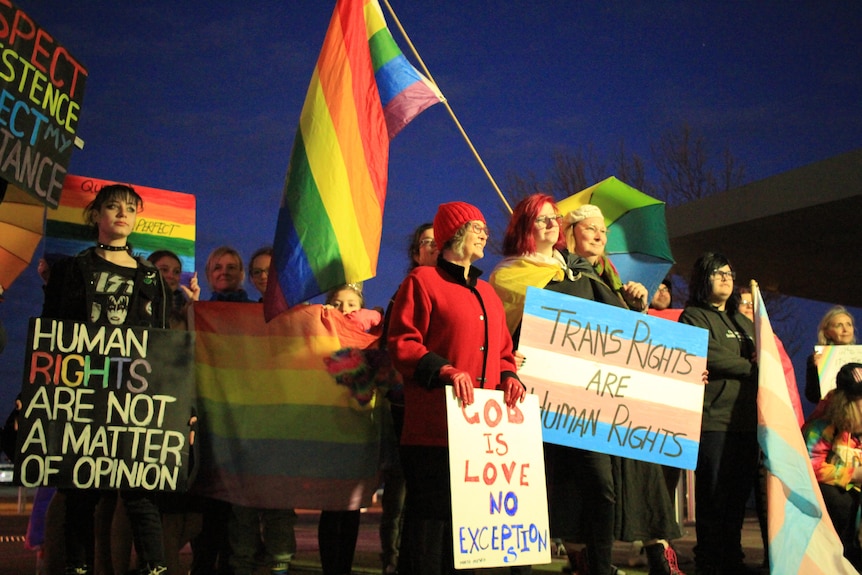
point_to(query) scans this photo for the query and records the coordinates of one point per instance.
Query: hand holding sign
(462, 383)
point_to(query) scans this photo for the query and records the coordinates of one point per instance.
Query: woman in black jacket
(727, 458)
(107, 285)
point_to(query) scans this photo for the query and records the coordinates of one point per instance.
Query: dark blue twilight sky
(204, 98)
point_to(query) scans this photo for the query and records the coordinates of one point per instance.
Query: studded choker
(108, 248)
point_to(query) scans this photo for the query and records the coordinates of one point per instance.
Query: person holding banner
(836, 328)
(447, 334)
(251, 530)
(727, 458)
(593, 497)
(107, 285)
(833, 436)
(169, 265)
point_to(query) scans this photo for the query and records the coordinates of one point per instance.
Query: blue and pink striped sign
(612, 380)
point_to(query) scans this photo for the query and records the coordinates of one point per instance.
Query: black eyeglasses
(723, 274)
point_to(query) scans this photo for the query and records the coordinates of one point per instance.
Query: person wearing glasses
(258, 269)
(422, 250)
(447, 330)
(728, 455)
(585, 489)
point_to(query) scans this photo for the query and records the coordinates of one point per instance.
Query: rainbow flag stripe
(167, 222)
(330, 221)
(277, 430)
(404, 91)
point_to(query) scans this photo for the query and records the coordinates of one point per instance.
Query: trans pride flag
(801, 536)
(362, 92)
(276, 430)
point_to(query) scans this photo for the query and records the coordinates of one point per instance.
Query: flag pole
(445, 102)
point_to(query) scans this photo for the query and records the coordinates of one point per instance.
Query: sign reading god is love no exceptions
(612, 380)
(497, 476)
(105, 407)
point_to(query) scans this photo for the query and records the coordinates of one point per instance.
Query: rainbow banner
(801, 536)
(362, 92)
(613, 380)
(277, 431)
(167, 222)
(834, 358)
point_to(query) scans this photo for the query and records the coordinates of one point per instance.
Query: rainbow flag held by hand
(277, 431)
(362, 92)
(801, 536)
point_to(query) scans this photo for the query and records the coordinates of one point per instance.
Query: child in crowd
(348, 299)
(833, 436)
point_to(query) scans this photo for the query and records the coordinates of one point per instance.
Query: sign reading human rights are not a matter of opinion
(105, 407)
(612, 380)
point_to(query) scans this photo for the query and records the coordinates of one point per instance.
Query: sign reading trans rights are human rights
(612, 380)
(105, 407)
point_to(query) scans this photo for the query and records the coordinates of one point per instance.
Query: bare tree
(687, 169)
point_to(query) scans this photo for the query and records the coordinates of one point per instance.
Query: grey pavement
(16, 560)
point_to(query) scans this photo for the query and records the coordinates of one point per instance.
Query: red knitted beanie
(452, 216)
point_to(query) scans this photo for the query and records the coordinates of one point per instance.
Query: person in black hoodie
(727, 458)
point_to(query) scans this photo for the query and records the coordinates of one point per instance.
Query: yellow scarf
(514, 274)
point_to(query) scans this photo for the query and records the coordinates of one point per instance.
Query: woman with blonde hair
(836, 328)
(594, 497)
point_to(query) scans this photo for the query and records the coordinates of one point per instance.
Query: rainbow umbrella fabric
(638, 244)
(21, 222)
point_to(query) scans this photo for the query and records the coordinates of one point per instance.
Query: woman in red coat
(448, 328)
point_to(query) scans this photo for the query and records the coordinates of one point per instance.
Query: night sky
(204, 98)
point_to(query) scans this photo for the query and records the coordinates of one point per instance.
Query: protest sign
(167, 222)
(833, 358)
(497, 476)
(612, 380)
(105, 407)
(41, 91)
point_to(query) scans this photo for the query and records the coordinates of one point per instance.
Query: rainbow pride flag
(362, 92)
(801, 536)
(276, 429)
(167, 222)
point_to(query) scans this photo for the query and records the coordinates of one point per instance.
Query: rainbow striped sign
(167, 222)
(834, 358)
(277, 430)
(612, 380)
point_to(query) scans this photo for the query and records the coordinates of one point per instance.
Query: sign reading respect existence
(41, 91)
(105, 407)
(834, 357)
(612, 380)
(497, 476)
